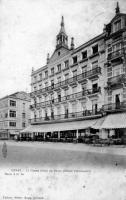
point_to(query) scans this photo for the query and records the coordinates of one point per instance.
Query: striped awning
(114, 121)
(64, 126)
(98, 123)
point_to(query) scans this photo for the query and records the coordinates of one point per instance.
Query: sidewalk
(112, 150)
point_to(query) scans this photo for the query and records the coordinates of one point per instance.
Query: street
(61, 155)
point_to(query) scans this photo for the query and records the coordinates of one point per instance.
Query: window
(84, 68)
(35, 78)
(59, 97)
(58, 53)
(59, 67)
(12, 113)
(66, 112)
(84, 54)
(95, 64)
(46, 74)
(66, 63)
(23, 106)
(40, 99)
(52, 71)
(46, 84)
(95, 87)
(52, 83)
(94, 106)
(95, 49)
(6, 115)
(75, 73)
(74, 107)
(58, 110)
(66, 92)
(74, 90)
(117, 25)
(23, 125)
(12, 103)
(66, 76)
(52, 98)
(12, 124)
(40, 86)
(40, 76)
(23, 115)
(40, 113)
(59, 79)
(35, 88)
(74, 59)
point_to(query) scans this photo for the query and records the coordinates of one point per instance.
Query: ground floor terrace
(110, 129)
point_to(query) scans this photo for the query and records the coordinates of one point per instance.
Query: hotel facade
(82, 91)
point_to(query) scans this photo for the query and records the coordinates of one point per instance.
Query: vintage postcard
(62, 100)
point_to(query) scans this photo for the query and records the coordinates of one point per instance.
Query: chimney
(47, 58)
(72, 43)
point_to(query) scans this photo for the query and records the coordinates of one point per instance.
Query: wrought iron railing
(115, 106)
(116, 54)
(117, 79)
(68, 97)
(82, 76)
(74, 115)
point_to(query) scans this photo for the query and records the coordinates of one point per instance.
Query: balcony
(72, 81)
(69, 116)
(115, 107)
(116, 55)
(81, 78)
(93, 92)
(116, 81)
(64, 84)
(93, 73)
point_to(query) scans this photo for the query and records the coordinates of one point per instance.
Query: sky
(28, 30)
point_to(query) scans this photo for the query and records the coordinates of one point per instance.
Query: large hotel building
(82, 91)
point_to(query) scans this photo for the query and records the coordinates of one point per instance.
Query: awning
(98, 123)
(64, 126)
(114, 121)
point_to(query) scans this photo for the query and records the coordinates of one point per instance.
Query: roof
(65, 126)
(18, 95)
(114, 121)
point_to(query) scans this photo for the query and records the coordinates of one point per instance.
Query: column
(58, 134)
(77, 133)
(44, 135)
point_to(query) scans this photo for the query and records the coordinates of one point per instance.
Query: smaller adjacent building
(14, 114)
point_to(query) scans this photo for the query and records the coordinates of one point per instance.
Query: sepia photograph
(62, 100)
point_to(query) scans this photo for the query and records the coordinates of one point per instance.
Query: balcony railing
(117, 79)
(74, 96)
(115, 106)
(94, 91)
(81, 77)
(115, 54)
(74, 115)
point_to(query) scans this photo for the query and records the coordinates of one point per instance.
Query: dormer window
(74, 59)
(117, 25)
(59, 67)
(40, 76)
(46, 74)
(95, 49)
(66, 63)
(84, 55)
(52, 71)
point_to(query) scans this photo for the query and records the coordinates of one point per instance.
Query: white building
(82, 90)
